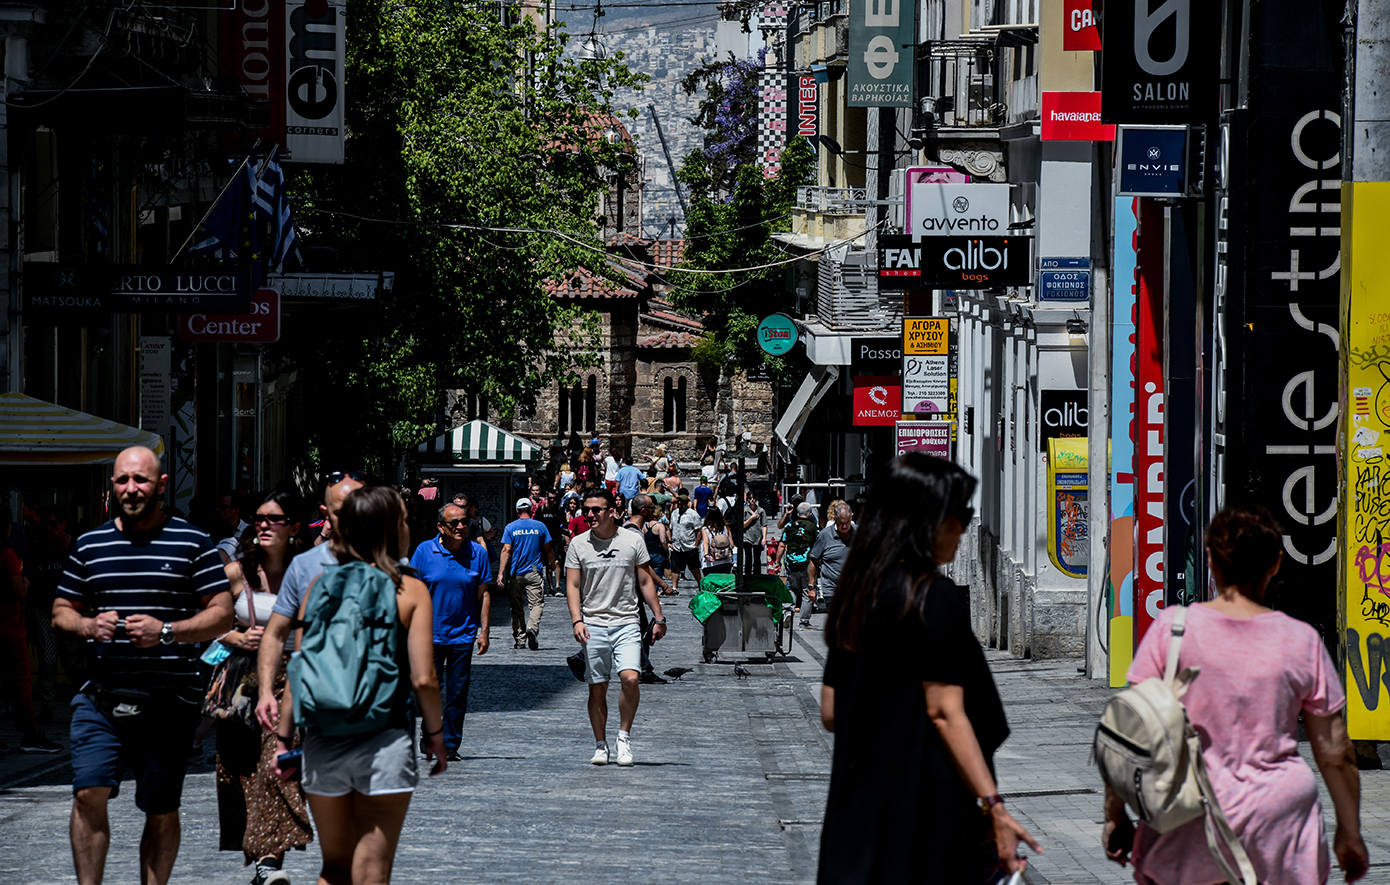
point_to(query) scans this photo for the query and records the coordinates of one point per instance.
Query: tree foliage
(728, 113)
(454, 118)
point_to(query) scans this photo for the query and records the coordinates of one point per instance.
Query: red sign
(878, 400)
(1150, 530)
(251, 47)
(1073, 116)
(261, 324)
(1080, 26)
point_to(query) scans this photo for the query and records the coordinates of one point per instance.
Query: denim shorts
(610, 649)
(153, 746)
(374, 765)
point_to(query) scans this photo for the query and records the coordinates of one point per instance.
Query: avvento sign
(1159, 64)
(944, 210)
(952, 262)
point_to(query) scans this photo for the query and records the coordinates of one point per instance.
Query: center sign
(262, 324)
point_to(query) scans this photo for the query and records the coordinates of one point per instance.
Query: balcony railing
(832, 200)
(959, 84)
(848, 298)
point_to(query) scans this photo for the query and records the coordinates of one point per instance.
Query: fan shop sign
(877, 400)
(261, 324)
(952, 262)
(58, 291)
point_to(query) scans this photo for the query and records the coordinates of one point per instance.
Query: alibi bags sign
(1160, 61)
(952, 262)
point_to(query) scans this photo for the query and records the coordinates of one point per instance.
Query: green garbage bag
(775, 593)
(702, 605)
(717, 583)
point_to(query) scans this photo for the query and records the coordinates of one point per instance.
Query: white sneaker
(624, 752)
(601, 756)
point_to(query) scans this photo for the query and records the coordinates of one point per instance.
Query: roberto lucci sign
(1159, 63)
(952, 262)
(71, 290)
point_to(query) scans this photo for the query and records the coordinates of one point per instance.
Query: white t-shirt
(608, 576)
(707, 471)
(610, 468)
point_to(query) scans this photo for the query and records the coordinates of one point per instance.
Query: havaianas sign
(777, 334)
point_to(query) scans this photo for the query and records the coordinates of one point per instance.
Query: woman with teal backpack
(366, 641)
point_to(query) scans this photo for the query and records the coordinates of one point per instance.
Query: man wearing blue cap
(525, 545)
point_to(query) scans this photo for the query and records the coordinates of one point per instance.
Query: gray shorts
(613, 648)
(375, 765)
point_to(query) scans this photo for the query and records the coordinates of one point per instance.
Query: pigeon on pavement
(678, 672)
(741, 671)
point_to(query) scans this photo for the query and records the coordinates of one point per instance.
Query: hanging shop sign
(156, 371)
(260, 324)
(878, 356)
(882, 37)
(952, 262)
(923, 176)
(251, 38)
(1080, 26)
(877, 400)
(1152, 161)
(1064, 279)
(777, 334)
(926, 335)
(1065, 415)
(1068, 526)
(316, 32)
(1073, 116)
(929, 367)
(1159, 65)
(60, 292)
(945, 209)
(331, 287)
(805, 94)
(928, 437)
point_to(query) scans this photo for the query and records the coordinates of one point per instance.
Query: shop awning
(34, 432)
(478, 442)
(812, 390)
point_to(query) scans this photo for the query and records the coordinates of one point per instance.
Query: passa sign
(1080, 26)
(262, 324)
(1159, 63)
(952, 262)
(941, 209)
(877, 400)
(1073, 116)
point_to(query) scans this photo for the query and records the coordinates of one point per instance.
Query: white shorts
(612, 649)
(375, 765)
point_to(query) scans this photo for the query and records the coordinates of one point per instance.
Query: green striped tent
(478, 442)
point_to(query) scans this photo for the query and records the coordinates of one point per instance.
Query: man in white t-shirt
(604, 576)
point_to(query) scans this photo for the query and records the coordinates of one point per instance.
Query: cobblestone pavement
(729, 785)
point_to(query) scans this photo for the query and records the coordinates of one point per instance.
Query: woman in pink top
(1260, 670)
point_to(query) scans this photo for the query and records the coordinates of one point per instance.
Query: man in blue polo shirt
(457, 572)
(525, 545)
(629, 479)
(701, 497)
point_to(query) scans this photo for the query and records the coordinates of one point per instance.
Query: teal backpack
(347, 674)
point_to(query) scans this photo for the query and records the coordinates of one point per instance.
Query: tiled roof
(669, 318)
(669, 340)
(584, 283)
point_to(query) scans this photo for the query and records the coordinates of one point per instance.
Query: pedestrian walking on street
(368, 637)
(145, 587)
(304, 569)
(827, 559)
(908, 693)
(612, 463)
(1246, 704)
(604, 573)
(686, 524)
(259, 815)
(457, 573)
(754, 534)
(798, 535)
(641, 520)
(525, 551)
(586, 471)
(716, 544)
(702, 496)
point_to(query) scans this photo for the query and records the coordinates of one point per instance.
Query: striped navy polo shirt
(168, 574)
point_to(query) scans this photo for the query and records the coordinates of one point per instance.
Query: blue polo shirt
(526, 537)
(630, 481)
(701, 497)
(453, 582)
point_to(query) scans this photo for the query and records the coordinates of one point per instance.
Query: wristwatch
(988, 802)
(166, 633)
(661, 621)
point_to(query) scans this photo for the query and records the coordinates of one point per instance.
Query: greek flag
(273, 205)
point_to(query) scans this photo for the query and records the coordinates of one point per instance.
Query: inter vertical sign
(882, 40)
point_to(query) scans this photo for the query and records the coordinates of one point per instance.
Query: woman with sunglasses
(260, 815)
(907, 692)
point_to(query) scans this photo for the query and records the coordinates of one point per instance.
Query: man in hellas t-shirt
(603, 578)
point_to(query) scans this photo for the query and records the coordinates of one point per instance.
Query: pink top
(1257, 674)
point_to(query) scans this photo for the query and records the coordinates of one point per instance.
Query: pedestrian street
(729, 784)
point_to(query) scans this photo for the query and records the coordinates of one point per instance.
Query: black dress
(898, 811)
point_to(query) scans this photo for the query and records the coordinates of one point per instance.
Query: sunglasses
(271, 518)
(338, 476)
(593, 509)
(453, 523)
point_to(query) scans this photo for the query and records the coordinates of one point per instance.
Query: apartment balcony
(958, 81)
(848, 298)
(826, 41)
(824, 215)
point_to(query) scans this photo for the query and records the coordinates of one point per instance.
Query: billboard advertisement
(1160, 63)
(882, 34)
(315, 130)
(945, 209)
(1150, 428)
(249, 41)
(1122, 438)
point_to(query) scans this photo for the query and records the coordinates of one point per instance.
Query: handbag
(234, 687)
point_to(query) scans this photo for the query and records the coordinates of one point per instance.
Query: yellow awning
(36, 433)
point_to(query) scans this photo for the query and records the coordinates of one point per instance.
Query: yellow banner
(926, 336)
(1364, 517)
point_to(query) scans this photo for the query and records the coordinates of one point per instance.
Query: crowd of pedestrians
(329, 648)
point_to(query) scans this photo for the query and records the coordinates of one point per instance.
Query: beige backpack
(1150, 754)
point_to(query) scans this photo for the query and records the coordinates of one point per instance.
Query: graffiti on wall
(1120, 548)
(1068, 533)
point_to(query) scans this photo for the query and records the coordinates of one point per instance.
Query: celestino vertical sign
(882, 37)
(315, 130)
